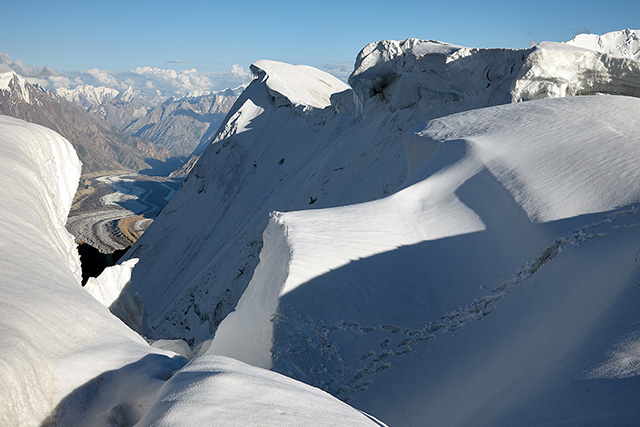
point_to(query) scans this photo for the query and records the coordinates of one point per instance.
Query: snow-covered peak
(437, 78)
(377, 57)
(11, 81)
(621, 44)
(128, 95)
(297, 84)
(86, 95)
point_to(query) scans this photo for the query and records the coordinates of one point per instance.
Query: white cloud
(177, 61)
(240, 73)
(341, 70)
(60, 82)
(102, 76)
(26, 70)
(144, 79)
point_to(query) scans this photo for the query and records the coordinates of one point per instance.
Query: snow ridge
(247, 333)
(297, 85)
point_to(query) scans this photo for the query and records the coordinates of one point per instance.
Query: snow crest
(247, 333)
(297, 85)
(502, 192)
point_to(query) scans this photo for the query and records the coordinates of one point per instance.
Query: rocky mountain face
(118, 108)
(100, 146)
(177, 124)
(180, 125)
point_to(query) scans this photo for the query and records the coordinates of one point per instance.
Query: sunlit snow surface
(523, 217)
(621, 44)
(473, 269)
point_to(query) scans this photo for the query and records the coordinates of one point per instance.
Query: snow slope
(298, 138)
(226, 392)
(523, 216)
(67, 361)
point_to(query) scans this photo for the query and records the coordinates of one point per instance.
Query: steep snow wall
(248, 331)
(55, 336)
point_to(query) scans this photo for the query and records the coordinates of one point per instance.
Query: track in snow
(398, 340)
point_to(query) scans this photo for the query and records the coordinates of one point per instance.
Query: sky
(213, 36)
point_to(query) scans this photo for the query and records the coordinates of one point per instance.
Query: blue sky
(214, 35)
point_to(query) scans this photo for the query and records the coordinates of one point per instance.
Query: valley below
(110, 212)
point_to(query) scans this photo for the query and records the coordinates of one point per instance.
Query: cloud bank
(152, 81)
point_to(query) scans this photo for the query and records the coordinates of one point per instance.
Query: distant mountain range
(177, 124)
(101, 147)
(118, 130)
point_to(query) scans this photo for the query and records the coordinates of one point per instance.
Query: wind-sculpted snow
(380, 289)
(555, 70)
(229, 393)
(263, 148)
(55, 336)
(402, 247)
(296, 139)
(297, 84)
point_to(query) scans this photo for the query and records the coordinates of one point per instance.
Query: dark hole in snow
(94, 262)
(281, 161)
(312, 200)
